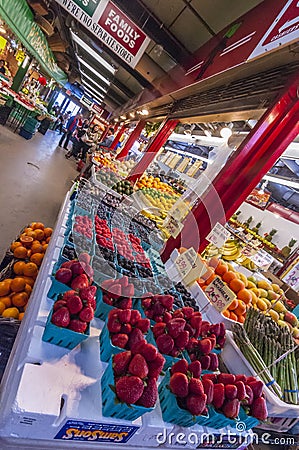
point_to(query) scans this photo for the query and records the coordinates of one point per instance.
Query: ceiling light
(283, 181)
(93, 70)
(93, 53)
(132, 115)
(226, 132)
(92, 80)
(94, 95)
(123, 117)
(93, 88)
(144, 112)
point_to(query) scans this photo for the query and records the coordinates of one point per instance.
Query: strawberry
(165, 343)
(74, 304)
(121, 362)
(115, 290)
(59, 304)
(175, 327)
(249, 380)
(158, 309)
(249, 396)
(214, 362)
(187, 311)
(208, 387)
(125, 303)
(135, 316)
(259, 409)
(119, 340)
(178, 314)
(135, 336)
(61, 317)
(182, 340)
(210, 376)
(257, 388)
(166, 301)
(80, 282)
(205, 346)
(180, 366)
(196, 324)
(215, 329)
(196, 387)
(155, 367)
(113, 325)
(226, 378)
(175, 352)
(240, 378)
(231, 391)
(69, 294)
(88, 293)
(92, 302)
(77, 325)
(205, 362)
(195, 369)
(138, 366)
(205, 327)
(129, 389)
(221, 341)
(222, 329)
(218, 395)
(84, 257)
(126, 328)
(143, 325)
(128, 291)
(146, 303)
(196, 404)
(87, 314)
(107, 284)
(178, 384)
(124, 315)
(138, 347)
(107, 300)
(231, 408)
(167, 317)
(158, 319)
(241, 391)
(124, 281)
(149, 352)
(149, 395)
(158, 329)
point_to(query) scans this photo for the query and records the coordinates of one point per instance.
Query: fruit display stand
(51, 396)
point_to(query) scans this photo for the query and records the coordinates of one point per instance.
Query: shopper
(108, 139)
(70, 128)
(89, 140)
(2, 66)
(78, 142)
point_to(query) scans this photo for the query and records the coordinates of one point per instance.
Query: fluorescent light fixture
(93, 53)
(94, 96)
(93, 87)
(144, 112)
(93, 81)
(132, 115)
(93, 70)
(281, 180)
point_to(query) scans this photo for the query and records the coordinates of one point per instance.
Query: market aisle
(31, 192)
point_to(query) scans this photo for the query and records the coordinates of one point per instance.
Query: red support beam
(117, 137)
(132, 138)
(105, 132)
(159, 140)
(276, 129)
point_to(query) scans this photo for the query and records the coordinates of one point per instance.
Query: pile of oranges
(29, 252)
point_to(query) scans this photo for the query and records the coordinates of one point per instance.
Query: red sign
(118, 25)
(97, 109)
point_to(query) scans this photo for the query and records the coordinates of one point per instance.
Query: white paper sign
(218, 235)
(190, 266)
(219, 294)
(262, 259)
(173, 226)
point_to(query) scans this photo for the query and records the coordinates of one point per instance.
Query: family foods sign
(111, 26)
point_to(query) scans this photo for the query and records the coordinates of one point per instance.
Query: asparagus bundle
(275, 347)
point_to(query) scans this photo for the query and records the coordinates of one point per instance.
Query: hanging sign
(97, 109)
(173, 226)
(218, 235)
(20, 56)
(111, 26)
(219, 294)
(86, 102)
(74, 430)
(262, 259)
(190, 266)
(180, 210)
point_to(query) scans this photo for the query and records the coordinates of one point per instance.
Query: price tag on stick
(218, 235)
(219, 294)
(173, 226)
(190, 266)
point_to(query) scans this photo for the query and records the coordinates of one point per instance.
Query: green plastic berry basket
(110, 407)
(63, 337)
(172, 413)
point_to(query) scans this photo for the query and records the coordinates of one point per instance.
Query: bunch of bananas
(246, 262)
(230, 250)
(210, 251)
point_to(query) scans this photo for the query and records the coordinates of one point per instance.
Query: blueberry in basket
(144, 272)
(69, 252)
(102, 266)
(186, 296)
(103, 252)
(151, 286)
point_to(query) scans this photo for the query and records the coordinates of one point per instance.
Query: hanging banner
(111, 26)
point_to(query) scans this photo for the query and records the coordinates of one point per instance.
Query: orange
(14, 245)
(2, 307)
(39, 234)
(28, 289)
(245, 295)
(18, 284)
(35, 242)
(221, 269)
(36, 248)
(20, 299)
(20, 252)
(233, 305)
(21, 315)
(30, 270)
(236, 285)
(226, 313)
(48, 232)
(37, 258)
(241, 319)
(18, 267)
(31, 233)
(45, 246)
(26, 240)
(37, 225)
(229, 276)
(27, 230)
(233, 316)
(201, 282)
(4, 288)
(29, 280)
(211, 278)
(6, 300)
(48, 240)
(11, 312)
(241, 308)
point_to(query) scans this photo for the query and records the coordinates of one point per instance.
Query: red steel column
(159, 140)
(132, 138)
(117, 137)
(275, 130)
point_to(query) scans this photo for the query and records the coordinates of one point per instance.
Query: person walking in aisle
(70, 128)
(78, 141)
(88, 141)
(108, 139)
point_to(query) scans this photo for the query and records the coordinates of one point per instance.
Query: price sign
(180, 210)
(219, 294)
(218, 235)
(190, 266)
(249, 251)
(262, 259)
(173, 226)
